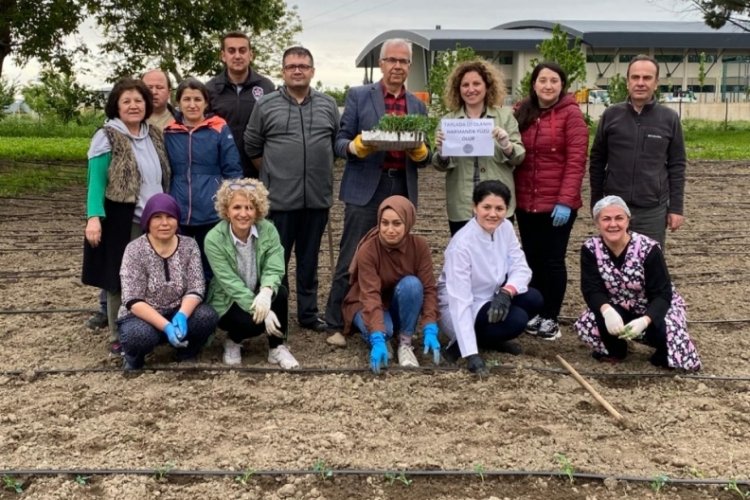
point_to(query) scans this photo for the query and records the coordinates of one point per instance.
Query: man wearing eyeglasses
(290, 139)
(371, 176)
(235, 90)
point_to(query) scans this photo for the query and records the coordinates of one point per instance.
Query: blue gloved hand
(181, 322)
(560, 215)
(378, 352)
(430, 332)
(173, 337)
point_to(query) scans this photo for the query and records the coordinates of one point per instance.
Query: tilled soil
(65, 405)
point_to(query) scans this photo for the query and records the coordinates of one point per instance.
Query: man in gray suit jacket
(371, 176)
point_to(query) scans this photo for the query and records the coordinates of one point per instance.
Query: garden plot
(180, 431)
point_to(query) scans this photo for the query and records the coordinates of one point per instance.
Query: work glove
(560, 215)
(613, 321)
(360, 150)
(173, 336)
(273, 327)
(500, 305)
(502, 137)
(419, 153)
(261, 304)
(635, 329)
(476, 365)
(180, 321)
(378, 352)
(430, 340)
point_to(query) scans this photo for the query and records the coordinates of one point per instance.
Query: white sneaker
(282, 357)
(232, 352)
(406, 357)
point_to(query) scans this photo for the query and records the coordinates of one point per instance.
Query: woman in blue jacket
(202, 153)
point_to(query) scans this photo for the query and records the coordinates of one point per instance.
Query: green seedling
(479, 470)
(733, 487)
(392, 478)
(82, 480)
(659, 482)
(163, 470)
(630, 334)
(696, 472)
(245, 477)
(565, 466)
(404, 123)
(322, 469)
(12, 484)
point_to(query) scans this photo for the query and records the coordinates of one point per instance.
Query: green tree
(56, 95)
(618, 89)
(7, 94)
(717, 13)
(270, 44)
(444, 63)
(563, 51)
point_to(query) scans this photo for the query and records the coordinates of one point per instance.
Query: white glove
(262, 304)
(635, 329)
(613, 320)
(273, 327)
(502, 137)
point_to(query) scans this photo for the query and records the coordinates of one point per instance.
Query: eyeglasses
(295, 67)
(396, 60)
(235, 186)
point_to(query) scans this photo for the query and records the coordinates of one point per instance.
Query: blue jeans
(403, 313)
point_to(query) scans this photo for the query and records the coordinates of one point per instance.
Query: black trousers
(239, 323)
(198, 233)
(655, 336)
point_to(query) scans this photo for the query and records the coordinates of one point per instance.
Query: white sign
(467, 137)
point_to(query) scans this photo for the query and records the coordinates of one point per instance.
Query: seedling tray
(392, 141)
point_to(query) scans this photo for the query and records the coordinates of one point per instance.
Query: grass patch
(16, 180)
(24, 126)
(45, 148)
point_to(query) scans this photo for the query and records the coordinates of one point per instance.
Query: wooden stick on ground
(589, 388)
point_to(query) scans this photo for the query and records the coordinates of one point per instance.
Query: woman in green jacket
(476, 89)
(247, 260)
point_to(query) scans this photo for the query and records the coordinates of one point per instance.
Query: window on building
(696, 58)
(600, 58)
(625, 58)
(668, 58)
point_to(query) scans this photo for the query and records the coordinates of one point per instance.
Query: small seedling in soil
(82, 480)
(629, 334)
(479, 469)
(696, 472)
(565, 466)
(12, 484)
(392, 478)
(322, 469)
(163, 470)
(658, 483)
(734, 488)
(245, 477)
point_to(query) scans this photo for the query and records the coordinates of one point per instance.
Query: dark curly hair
(493, 78)
(112, 109)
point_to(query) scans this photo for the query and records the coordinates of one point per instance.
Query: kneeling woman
(247, 260)
(484, 294)
(162, 288)
(392, 286)
(626, 286)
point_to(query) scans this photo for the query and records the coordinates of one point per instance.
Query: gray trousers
(651, 221)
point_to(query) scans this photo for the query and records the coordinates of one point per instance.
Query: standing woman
(476, 89)
(247, 259)
(202, 153)
(127, 164)
(484, 294)
(392, 287)
(548, 186)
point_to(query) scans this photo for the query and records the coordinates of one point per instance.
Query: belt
(394, 172)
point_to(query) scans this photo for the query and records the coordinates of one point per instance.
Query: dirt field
(334, 415)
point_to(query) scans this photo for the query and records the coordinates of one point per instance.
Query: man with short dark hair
(290, 139)
(235, 90)
(639, 155)
(158, 83)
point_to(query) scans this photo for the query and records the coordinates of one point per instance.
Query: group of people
(193, 215)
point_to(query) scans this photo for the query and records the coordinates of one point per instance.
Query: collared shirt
(246, 261)
(394, 105)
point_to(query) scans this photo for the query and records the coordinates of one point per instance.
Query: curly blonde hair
(252, 189)
(493, 78)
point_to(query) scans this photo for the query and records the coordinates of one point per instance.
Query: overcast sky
(337, 30)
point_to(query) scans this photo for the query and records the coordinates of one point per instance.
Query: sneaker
(115, 348)
(316, 325)
(406, 357)
(533, 326)
(97, 320)
(337, 339)
(232, 352)
(548, 330)
(282, 357)
(452, 353)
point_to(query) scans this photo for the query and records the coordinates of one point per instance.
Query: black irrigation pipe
(258, 370)
(406, 473)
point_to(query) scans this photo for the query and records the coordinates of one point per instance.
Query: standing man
(290, 140)
(158, 83)
(639, 155)
(372, 176)
(235, 91)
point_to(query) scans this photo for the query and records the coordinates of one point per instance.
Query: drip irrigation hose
(330, 472)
